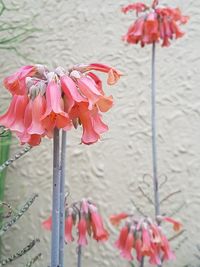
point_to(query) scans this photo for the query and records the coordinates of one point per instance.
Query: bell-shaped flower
(54, 115)
(15, 83)
(68, 227)
(82, 231)
(99, 232)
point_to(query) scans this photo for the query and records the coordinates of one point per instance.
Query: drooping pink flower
(38, 109)
(99, 232)
(127, 249)
(54, 115)
(176, 225)
(120, 243)
(138, 249)
(17, 123)
(168, 254)
(15, 83)
(116, 219)
(138, 7)
(154, 24)
(68, 228)
(82, 231)
(47, 224)
(146, 241)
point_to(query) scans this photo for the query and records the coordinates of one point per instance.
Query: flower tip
(113, 76)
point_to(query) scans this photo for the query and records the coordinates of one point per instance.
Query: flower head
(85, 217)
(145, 237)
(154, 23)
(43, 100)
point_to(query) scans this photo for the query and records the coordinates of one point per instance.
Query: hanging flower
(145, 237)
(43, 100)
(84, 216)
(154, 23)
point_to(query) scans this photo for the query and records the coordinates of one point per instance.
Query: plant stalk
(154, 135)
(56, 201)
(62, 198)
(79, 256)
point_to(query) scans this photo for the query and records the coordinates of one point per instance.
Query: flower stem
(142, 262)
(79, 256)
(154, 136)
(153, 125)
(62, 199)
(56, 201)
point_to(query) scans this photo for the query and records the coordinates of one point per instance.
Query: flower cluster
(155, 23)
(84, 215)
(43, 100)
(145, 237)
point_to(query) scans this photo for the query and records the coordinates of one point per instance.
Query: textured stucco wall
(110, 171)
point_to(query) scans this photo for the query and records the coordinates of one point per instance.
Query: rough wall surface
(111, 171)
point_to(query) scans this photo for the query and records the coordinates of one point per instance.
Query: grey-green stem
(55, 235)
(62, 198)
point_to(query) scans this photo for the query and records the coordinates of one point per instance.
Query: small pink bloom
(38, 108)
(82, 230)
(15, 83)
(126, 251)
(54, 115)
(168, 254)
(68, 228)
(47, 224)
(17, 122)
(138, 7)
(71, 92)
(176, 225)
(89, 90)
(8, 118)
(120, 243)
(99, 232)
(138, 249)
(116, 219)
(113, 74)
(146, 242)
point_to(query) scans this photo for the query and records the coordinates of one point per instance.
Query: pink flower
(146, 242)
(176, 225)
(99, 232)
(138, 249)
(82, 230)
(120, 243)
(47, 224)
(113, 74)
(38, 109)
(54, 115)
(68, 228)
(116, 219)
(15, 83)
(126, 251)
